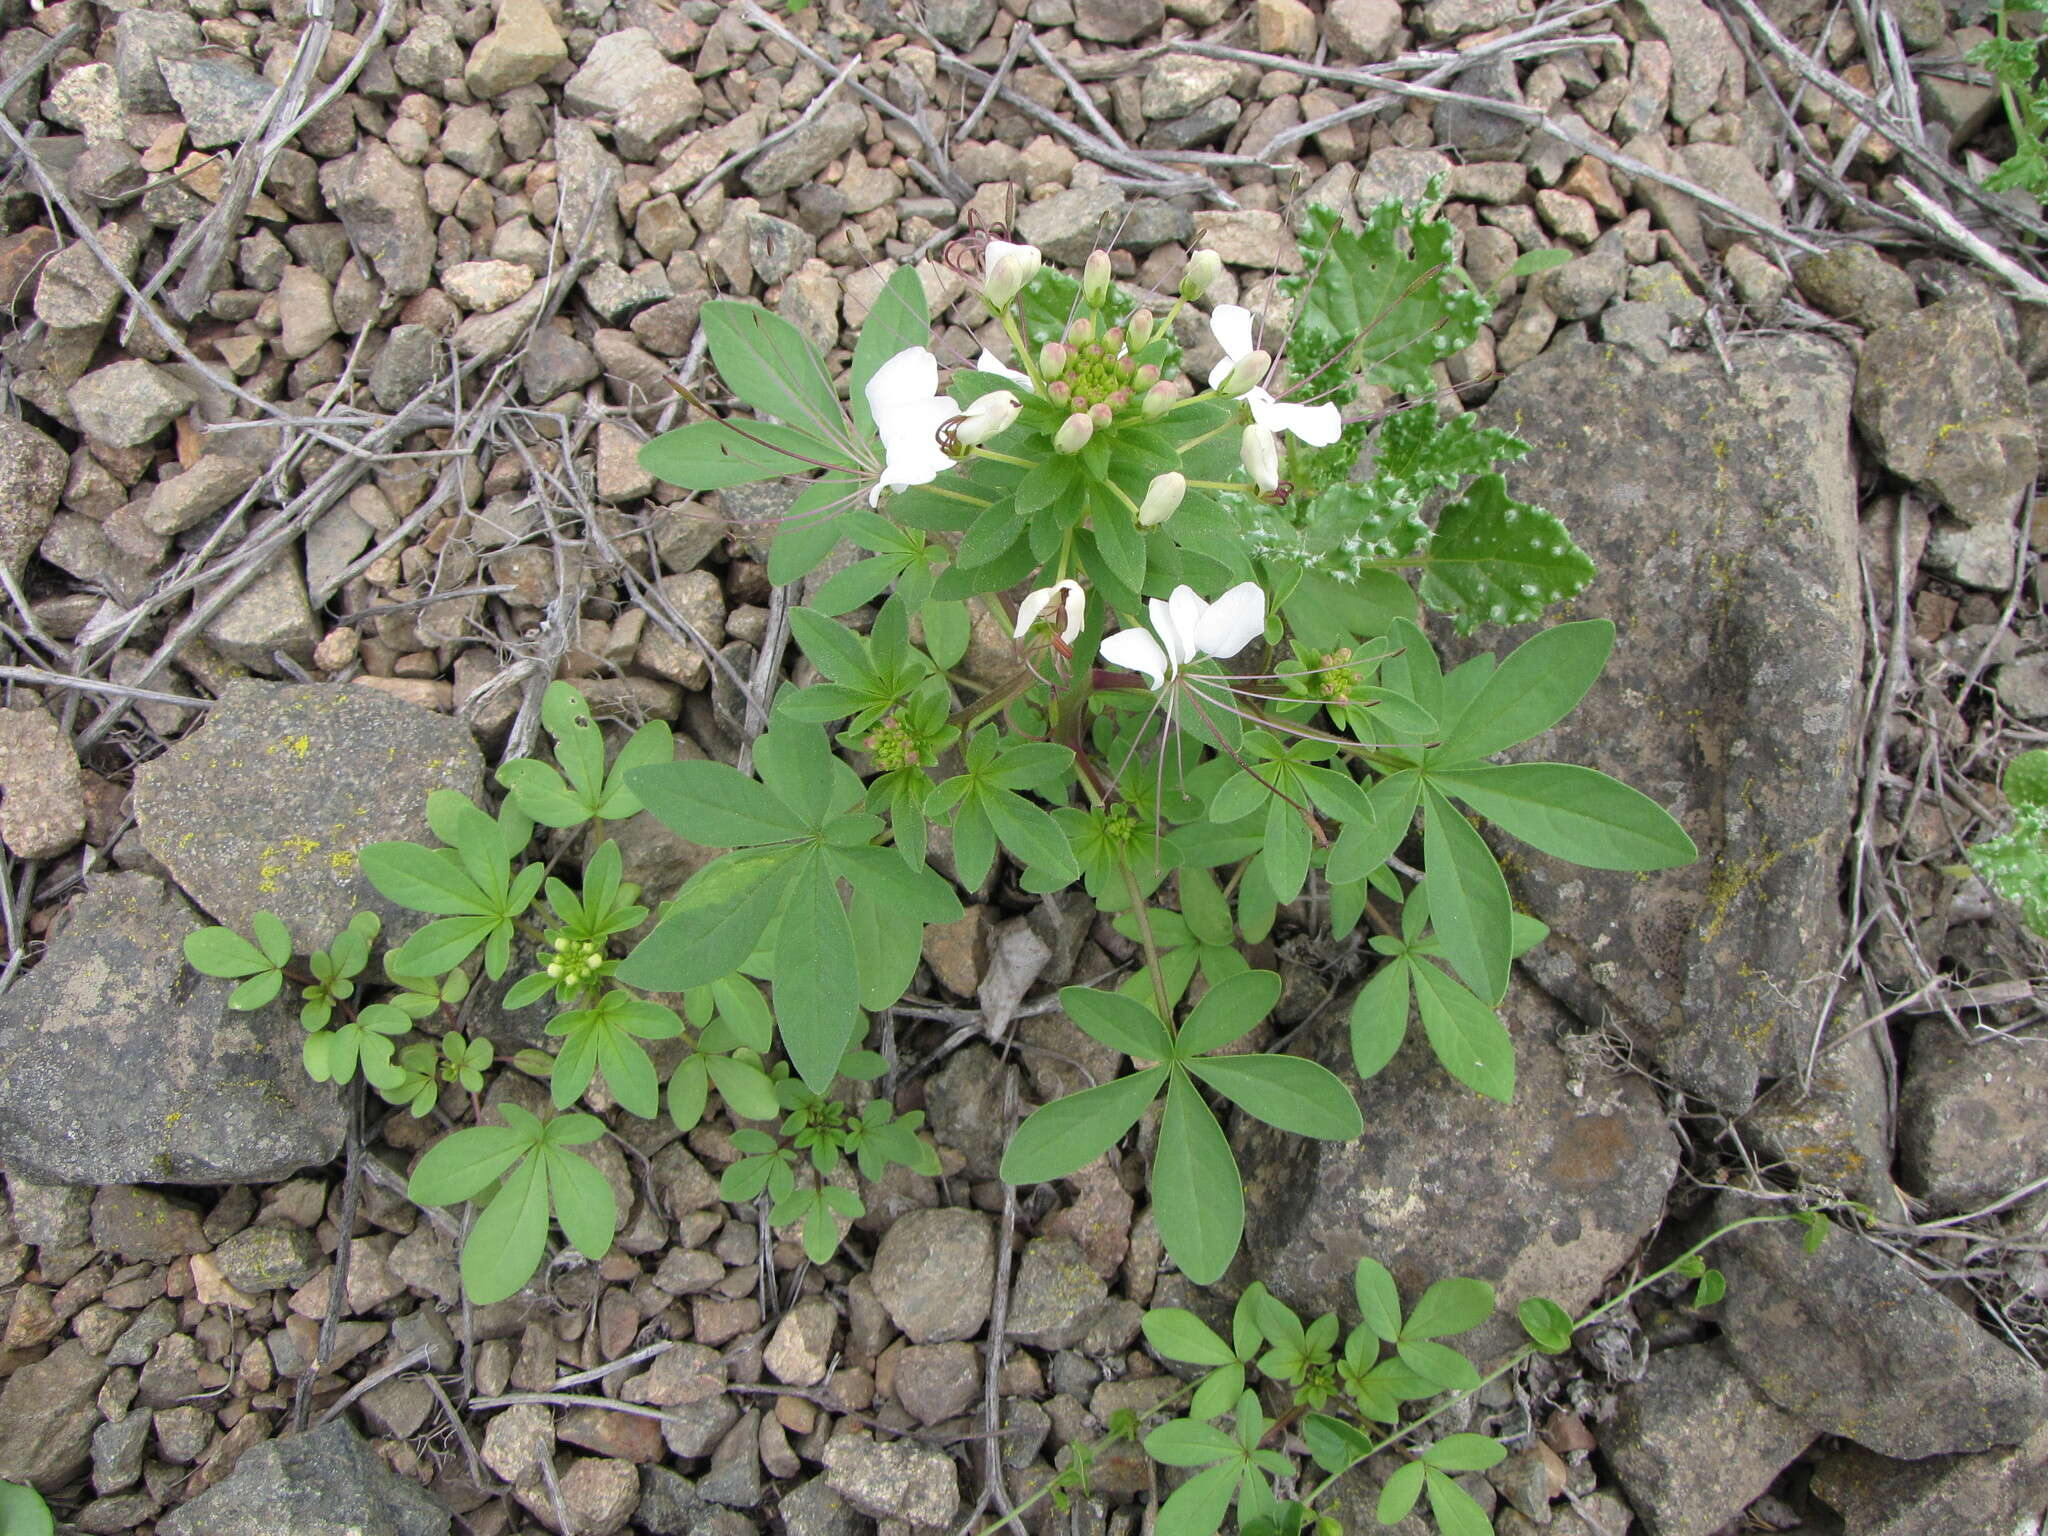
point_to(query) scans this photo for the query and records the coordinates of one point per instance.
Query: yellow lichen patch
(298, 746)
(342, 858)
(281, 858)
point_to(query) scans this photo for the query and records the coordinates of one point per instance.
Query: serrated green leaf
(1500, 561)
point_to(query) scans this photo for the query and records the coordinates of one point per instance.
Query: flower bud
(1260, 450)
(1162, 499)
(1095, 277)
(1145, 377)
(1159, 399)
(988, 417)
(1059, 392)
(1139, 328)
(1081, 332)
(1007, 269)
(1074, 433)
(1113, 339)
(1249, 370)
(1102, 413)
(1203, 268)
(1052, 360)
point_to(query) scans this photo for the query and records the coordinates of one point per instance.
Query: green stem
(1152, 967)
(1003, 458)
(1017, 343)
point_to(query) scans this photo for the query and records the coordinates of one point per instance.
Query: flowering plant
(1220, 668)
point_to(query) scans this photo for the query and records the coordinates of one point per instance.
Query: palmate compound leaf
(1496, 560)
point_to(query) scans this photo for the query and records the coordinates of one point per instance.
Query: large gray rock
(1970, 1117)
(933, 1272)
(32, 474)
(222, 103)
(1694, 1444)
(1721, 514)
(267, 806)
(1945, 406)
(119, 1065)
(327, 1483)
(1851, 1342)
(48, 1411)
(893, 1479)
(382, 203)
(1572, 1177)
(125, 404)
(1994, 1491)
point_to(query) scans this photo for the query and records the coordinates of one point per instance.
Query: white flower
(989, 363)
(988, 417)
(1072, 601)
(909, 410)
(1006, 268)
(1189, 628)
(1317, 425)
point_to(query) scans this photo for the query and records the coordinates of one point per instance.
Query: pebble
(933, 1271)
(42, 800)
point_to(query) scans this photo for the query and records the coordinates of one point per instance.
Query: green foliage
(23, 1512)
(2015, 864)
(2015, 63)
(534, 1168)
(223, 952)
(1197, 1195)
(581, 789)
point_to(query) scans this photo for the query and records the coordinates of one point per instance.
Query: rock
(893, 1479)
(1181, 82)
(1057, 1295)
(1970, 554)
(187, 500)
(268, 804)
(1472, 130)
(1838, 1132)
(160, 1080)
(518, 1439)
(1969, 1117)
(268, 1259)
(589, 176)
(1945, 406)
(1725, 170)
(33, 470)
(654, 118)
(1694, 1444)
(75, 292)
(1851, 1342)
(519, 50)
(2023, 687)
(325, 1483)
(806, 152)
(142, 1227)
(1586, 284)
(1068, 225)
(936, 1381)
(1362, 29)
(272, 613)
(1455, 18)
(1703, 56)
(734, 1478)
(406, 366)
(382, 203)
(959, 24)
(554, 363)
(1760, 283)
(964, 1108)
(305, 312)
(1248, 239)
(933, 1272)
(48, 1410)
(1715, 970)
(1399, 175)
(1574, 1172)
(800, 1353)
(1940, 1496)
(621, 67)
(1285, 26)
(42, 802)
(117, 1448)
(598, 1494)
(813, 1509)
(222, 103)
(1117, 21)
(486, 285)
(1853, 282)
(142, 40)
(125, 404)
